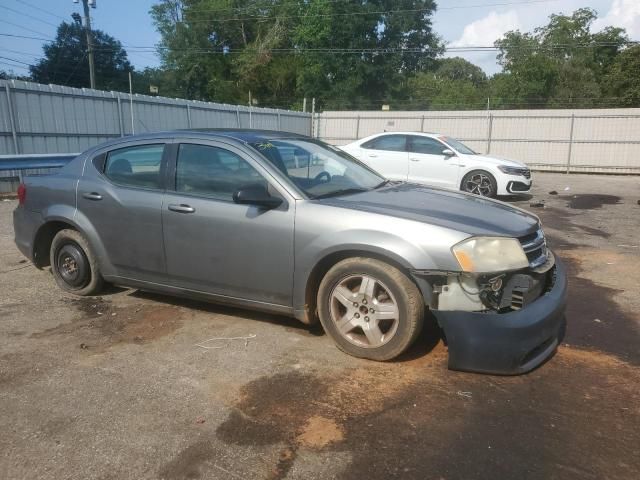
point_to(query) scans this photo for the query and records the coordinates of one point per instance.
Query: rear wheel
(370, 308)
(480, 182)
(73, 265)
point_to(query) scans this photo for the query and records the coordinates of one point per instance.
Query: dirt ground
(132, 385)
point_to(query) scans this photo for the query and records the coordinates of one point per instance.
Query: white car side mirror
(448, 153)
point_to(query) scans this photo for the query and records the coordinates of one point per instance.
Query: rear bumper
(508, 343)
(25, 226)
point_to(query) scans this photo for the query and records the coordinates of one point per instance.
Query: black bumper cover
(508, 343)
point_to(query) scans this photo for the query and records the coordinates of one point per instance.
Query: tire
(348, 308)
(484, 186)
(73, 265)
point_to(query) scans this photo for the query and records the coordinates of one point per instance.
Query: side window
(213, 171)
(426, 145)
(393, 143)
(137, 166)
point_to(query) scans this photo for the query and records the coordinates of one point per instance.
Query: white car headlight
(490, 254)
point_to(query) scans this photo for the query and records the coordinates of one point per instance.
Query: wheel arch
(56, 219)
(44, 238)
(308, 312)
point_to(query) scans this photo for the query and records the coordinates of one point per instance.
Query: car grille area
(535, 247)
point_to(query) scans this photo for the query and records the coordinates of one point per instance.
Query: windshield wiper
(344, 191)
(382, 184)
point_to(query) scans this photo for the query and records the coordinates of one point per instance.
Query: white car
(440, 161)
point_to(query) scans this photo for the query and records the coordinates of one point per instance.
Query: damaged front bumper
(511, 342)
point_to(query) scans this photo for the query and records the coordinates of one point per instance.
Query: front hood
(454, 210)
(497, 160)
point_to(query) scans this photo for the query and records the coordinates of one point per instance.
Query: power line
(390, 50)
(346, 3)
(41, 9)
(28, 15)
(26, 36)
(23, 27)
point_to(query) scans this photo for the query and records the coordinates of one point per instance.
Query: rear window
(137, 166)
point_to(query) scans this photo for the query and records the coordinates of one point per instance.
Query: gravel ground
(118, 387)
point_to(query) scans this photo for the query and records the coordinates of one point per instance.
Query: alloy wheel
(480, 184)
(364, 311)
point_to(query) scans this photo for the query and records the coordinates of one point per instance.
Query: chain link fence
(588, 141)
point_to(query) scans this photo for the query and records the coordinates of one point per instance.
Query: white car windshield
(318, 169)
(458, 146)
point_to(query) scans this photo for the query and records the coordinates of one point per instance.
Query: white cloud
(488, 29)
(624, 14)
(482, 33)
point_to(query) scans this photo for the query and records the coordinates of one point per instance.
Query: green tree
(560, 64)
(455, 84)
(623, 80)
(283, 50)
(65, 59)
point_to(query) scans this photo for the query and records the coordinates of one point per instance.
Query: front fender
(378, 244)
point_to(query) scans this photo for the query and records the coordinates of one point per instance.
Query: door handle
(182, 208)
(414, 159)
(92, 196)
(373, 155)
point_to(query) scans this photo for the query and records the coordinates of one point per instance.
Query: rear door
(217, 246)
(387, 155)
(428, 165)
(120, 192)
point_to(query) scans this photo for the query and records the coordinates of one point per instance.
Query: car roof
(238, 134)
(424, 134)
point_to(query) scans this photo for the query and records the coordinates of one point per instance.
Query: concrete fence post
(489, 132)
(12, 121)
(279, 122)
(573, 121)
(238, 117)
(188, 115)
(357, 127)
(422, 124)
(120, 121)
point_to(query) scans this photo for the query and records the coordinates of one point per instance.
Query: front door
(217, 246)
(428, 165)
(120, 193)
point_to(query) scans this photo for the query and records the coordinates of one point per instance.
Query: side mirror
(448, 152)
(256, 195)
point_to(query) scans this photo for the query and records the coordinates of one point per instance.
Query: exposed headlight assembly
(490, 254)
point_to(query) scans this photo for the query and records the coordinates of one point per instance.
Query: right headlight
(490, 254)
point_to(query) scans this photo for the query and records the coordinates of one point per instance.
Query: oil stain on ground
(590, 201)
(101, 325)
(416, 420)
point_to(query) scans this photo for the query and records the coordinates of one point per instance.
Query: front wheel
(370, 309)
(73, 265)
(480, 182)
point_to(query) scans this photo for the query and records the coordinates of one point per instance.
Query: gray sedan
(285, 223)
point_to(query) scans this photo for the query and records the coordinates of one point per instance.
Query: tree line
(352, 55)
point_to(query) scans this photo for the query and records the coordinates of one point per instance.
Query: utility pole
(87, 28)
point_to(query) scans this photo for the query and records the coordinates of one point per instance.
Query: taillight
(22, 193)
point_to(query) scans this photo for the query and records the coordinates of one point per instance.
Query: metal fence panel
(38, 118)
(599, 141)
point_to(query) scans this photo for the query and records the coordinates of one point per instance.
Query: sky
(461, 23)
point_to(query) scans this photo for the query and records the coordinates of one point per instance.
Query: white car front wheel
(480, 182)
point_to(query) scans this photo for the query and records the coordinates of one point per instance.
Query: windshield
(318, 169)
(458, 146)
